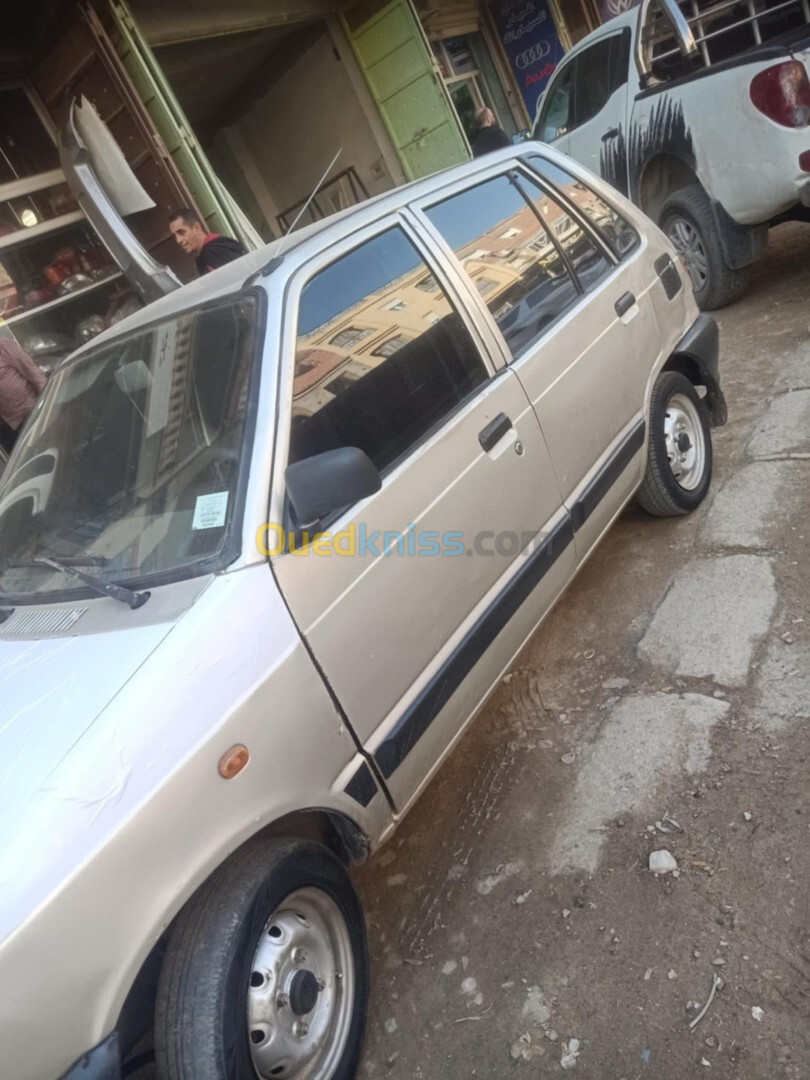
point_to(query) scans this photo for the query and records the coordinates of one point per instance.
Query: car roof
(235, 275)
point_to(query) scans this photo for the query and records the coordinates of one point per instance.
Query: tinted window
(384, 388)
(511, 254)
(618, 233)
(558, 111)
(601, 70)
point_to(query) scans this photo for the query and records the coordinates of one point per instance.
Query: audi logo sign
(539, 51)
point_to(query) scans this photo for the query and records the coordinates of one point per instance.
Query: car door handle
(624, 303)
(495, 430)
(613, 133)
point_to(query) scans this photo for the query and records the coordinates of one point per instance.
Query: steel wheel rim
(304, 956)
(685, 442)
(687, 242)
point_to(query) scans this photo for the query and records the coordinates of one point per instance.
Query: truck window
(601, 71)
(556, 118)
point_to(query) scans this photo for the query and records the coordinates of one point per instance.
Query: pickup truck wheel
(679, 462)
(691, 226)
(266, 973)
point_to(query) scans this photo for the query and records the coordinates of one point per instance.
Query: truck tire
(266, 972)
(679, 460)
(689, 222)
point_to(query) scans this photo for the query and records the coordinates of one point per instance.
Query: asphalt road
(514, 911)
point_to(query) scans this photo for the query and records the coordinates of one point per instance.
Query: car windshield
(130, 464)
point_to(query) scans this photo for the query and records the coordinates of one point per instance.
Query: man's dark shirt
(217, 251)
(488, 139)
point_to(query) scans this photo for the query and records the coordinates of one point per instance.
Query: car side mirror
(323, 483)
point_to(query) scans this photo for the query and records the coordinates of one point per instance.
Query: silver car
(265, 549)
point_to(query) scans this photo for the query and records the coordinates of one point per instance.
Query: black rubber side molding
(495, 430)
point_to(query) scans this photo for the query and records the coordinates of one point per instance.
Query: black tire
(690, 205)
(201, 1025)
(661, 494)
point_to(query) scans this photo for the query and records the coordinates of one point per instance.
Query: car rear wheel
(689, 222)
(266, 973)
(679, 461)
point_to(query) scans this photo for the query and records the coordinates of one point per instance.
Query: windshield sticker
(209, 510)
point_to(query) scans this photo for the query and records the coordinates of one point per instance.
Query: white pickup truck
(699, 111)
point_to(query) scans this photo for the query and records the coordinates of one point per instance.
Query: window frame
(623, 35)
(448, 281)
(562, 70)
(577, 214)
(518, 168)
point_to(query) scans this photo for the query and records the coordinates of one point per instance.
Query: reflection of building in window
(392, 345)
(562, 225)
(431, 317)
(540, 242)
(397, 304)
(428, 284)
(510, 234)
(303, 366)
(344, 339)
(341, 383)
(485, 285)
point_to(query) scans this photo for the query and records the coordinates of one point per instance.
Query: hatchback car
(265, 549)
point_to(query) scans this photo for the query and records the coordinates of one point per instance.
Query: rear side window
(618, 233)
(381, 358)
(511, 247)
(601, 70)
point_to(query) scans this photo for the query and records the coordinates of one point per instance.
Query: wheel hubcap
(301, 989)
(686, 241)
(685, 442)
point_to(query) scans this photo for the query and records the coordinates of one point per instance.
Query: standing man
(210, 250)
(21, 383)
(490, 136)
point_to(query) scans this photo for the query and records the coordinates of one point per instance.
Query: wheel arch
(336, 831)
(700, 377)
(663, 175)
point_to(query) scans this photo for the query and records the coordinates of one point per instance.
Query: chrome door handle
(624, 303)
(495, 430)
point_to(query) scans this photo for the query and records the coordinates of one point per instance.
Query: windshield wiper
(104, 588)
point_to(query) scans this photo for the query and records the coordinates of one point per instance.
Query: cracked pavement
(515, 928)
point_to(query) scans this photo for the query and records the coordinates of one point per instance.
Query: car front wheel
(679, 461)
(266, 972)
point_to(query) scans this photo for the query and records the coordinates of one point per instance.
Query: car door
(577, 325)
(555, 115)
(598, 137)
(432, 584)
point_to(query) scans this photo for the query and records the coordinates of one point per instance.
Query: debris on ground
(662, 862)
(570, 1053)
(757, 1013)
(568, 759)
(717, 984)
(668, 825)
(747, 815)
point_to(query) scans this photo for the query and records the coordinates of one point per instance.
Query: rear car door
(599, 132)
(432, 583)
(571, 304)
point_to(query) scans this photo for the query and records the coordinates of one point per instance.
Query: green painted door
(393, 54)
(213, 200)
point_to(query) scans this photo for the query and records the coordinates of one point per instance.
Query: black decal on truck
(613, 160)
(665, 133)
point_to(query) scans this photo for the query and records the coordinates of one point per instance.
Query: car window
(618, 233)
(557, 116)
(380, 359)
(512, 252)
(588, 260)
(601, 70)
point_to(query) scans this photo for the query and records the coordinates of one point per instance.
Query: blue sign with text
(531, 43)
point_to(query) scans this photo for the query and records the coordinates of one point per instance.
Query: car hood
(52, 690)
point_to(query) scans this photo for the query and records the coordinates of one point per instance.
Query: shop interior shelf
(21, 236)
(51, 304)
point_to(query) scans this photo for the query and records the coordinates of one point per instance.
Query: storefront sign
(609, 9)
(530, 40)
